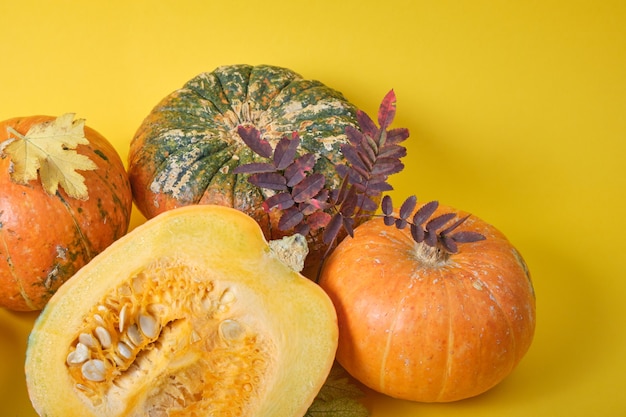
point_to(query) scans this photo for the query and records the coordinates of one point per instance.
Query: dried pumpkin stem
(432, 256)
(291, 250)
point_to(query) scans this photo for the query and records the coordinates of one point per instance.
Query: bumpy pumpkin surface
(190, 314)
(185, 150)
(421, 324)
(45, 239)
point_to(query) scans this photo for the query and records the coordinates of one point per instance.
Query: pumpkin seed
(124, 290)
(157, 309)
(122, 318)
(103, 336)
(99, 318)
(119, 361)
(134, 335)
(148, 326)
(227, 297)
(138, 284)
(195, 337)
(94, 370)
(124, 350)
(83, 387)
(87, 339)
(78, 355)
(231, 330)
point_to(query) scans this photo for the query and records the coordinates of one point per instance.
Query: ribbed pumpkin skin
(45, 239)
(429, 333)
(185, 150)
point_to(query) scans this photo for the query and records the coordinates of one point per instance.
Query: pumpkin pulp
(190, 314)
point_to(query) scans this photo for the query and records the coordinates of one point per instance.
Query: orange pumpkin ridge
(45, 239)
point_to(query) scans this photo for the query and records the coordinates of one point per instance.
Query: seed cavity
(168, 319)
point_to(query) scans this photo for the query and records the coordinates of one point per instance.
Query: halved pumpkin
(190, 314)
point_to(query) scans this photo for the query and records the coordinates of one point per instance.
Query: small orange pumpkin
(419, 323)
(45, 238)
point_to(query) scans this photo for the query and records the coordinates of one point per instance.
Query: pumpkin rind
(187, 147)
(424, 332)
(45, 239)
(232, 330)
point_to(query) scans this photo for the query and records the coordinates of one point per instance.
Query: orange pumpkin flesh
(423, 326)
(45, 239)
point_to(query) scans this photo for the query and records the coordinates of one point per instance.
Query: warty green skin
(186, 148)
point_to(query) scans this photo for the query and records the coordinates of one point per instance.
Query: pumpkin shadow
(568, 338)
(14, 331)
(569, 335)
(565, 350)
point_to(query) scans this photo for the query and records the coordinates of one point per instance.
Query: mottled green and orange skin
(185, 150)
(45, 239)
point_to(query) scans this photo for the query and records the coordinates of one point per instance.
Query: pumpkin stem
(291, 250)
(432, 256)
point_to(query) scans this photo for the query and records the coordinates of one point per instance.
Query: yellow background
(517, 113)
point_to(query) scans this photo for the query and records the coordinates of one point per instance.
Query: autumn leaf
(48, 149)
(339, 397)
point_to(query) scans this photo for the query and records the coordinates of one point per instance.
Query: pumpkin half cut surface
(190, 314)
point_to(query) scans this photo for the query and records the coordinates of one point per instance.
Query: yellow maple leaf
(48, 148)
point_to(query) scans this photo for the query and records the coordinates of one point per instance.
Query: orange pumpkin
(45, 238)
(419, 323)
